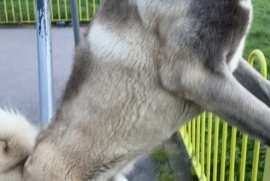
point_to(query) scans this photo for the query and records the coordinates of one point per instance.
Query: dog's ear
(3, 145)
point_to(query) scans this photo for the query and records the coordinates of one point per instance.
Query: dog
(17, 139)
(143, 69)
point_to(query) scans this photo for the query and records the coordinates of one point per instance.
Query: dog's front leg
(222, 94)
(253, 81)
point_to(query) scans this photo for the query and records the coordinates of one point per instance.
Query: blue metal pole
(75, 21)
(43, 26)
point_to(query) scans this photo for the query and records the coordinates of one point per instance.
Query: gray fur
(253, 82)
(143, 69)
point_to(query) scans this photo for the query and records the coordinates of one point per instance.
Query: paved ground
(18, 67)
(19, 77)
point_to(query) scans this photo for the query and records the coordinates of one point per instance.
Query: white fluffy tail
(17, 139)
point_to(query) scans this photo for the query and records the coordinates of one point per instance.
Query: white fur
(17, 139)
(16, 126)
(239, 52)
(129, 167)
(126, 170)
(116, 47)
(108, 45)
(120, 177)
(237, 56)
(246, 4)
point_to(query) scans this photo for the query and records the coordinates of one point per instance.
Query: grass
(259, 35)
(160, 157)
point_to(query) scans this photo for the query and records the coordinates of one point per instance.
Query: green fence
(24, 11)
(219, 152)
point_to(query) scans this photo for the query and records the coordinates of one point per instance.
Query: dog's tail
(17, 139)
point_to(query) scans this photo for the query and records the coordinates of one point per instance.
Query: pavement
(19, 88)
(19, 67)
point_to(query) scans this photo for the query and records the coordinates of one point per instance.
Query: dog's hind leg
(253, 81)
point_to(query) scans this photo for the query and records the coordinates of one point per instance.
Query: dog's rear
(17, 137)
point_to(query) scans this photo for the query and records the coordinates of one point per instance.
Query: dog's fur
(17, 139)
(144, 68)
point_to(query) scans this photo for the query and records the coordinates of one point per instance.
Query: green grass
(259, 35)
(160, 157)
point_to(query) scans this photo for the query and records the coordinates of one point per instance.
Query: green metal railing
(219, 152)
(24, 11)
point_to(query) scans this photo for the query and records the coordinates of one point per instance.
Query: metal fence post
(75, 21)
(43, 26)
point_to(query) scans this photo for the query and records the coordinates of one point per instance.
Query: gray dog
(143, 69)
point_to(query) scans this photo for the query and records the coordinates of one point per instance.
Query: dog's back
(17, 138)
